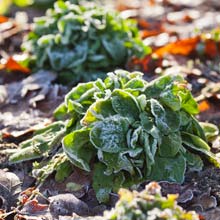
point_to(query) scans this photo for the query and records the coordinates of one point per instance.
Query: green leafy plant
(126, 130)
(82, 42)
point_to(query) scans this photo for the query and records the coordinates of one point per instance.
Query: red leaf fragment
(211, 48)
(3, 19)
(13, 65)
(34, 206)
(24, 196)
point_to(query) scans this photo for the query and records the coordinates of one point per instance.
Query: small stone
(67, 204)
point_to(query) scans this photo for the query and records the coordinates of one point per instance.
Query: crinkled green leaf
(99, 110)
(170, 169)
(115, 162)
(155, 88)
(142, 101)
(102, 184)
(115, 48)
(135, 83)
(110, 135)
(78, 148)
(171, 100)
(209, 129)
(196, 143)
(188, 103)
(159, 114)
(125, 104)
(59, 163)
(147, 121)
(170, 145)
(133, 141)
(41, 144)
(173, 120)
(197, 129)
(60, 112)
(63, 171)
(80, 90)
(194, 162)
(150, 148)
(185, 118)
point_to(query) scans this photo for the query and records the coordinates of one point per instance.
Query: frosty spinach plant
(124, 130)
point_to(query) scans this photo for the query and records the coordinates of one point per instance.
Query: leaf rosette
(127, 130)
(82, 42)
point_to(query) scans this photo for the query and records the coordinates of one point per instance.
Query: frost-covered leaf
(133, 141)
(188, 103)
(102, 184)
(135, 83)
(110, 135)
(125, 104)
(78, 148)
(41, 144)
(170, 145)
(209, 129)
(159, 114)
(59, 163)
(171, 169)
(115, 162)
(82, 94)
(99, 110)
(197, 144)
(194, 161)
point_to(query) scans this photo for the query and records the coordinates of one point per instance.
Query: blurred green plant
(82, 43)
(148, 204)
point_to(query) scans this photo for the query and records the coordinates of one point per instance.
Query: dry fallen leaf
(212, 48)
(13, 65)
(181, 47)
(3, 19)
(204, 106)
(10, 187)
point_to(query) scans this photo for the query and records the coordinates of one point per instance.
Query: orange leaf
(3, 19)
(146, 33)
(204, 106)
(13, 65)
(143, 23)
(152, 2)
(181, 47)
(211, 48)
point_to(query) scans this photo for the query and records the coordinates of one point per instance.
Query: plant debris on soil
(185, 39)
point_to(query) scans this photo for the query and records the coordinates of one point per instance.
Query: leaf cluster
(82, 42)
(148, 204)
(126, 130)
